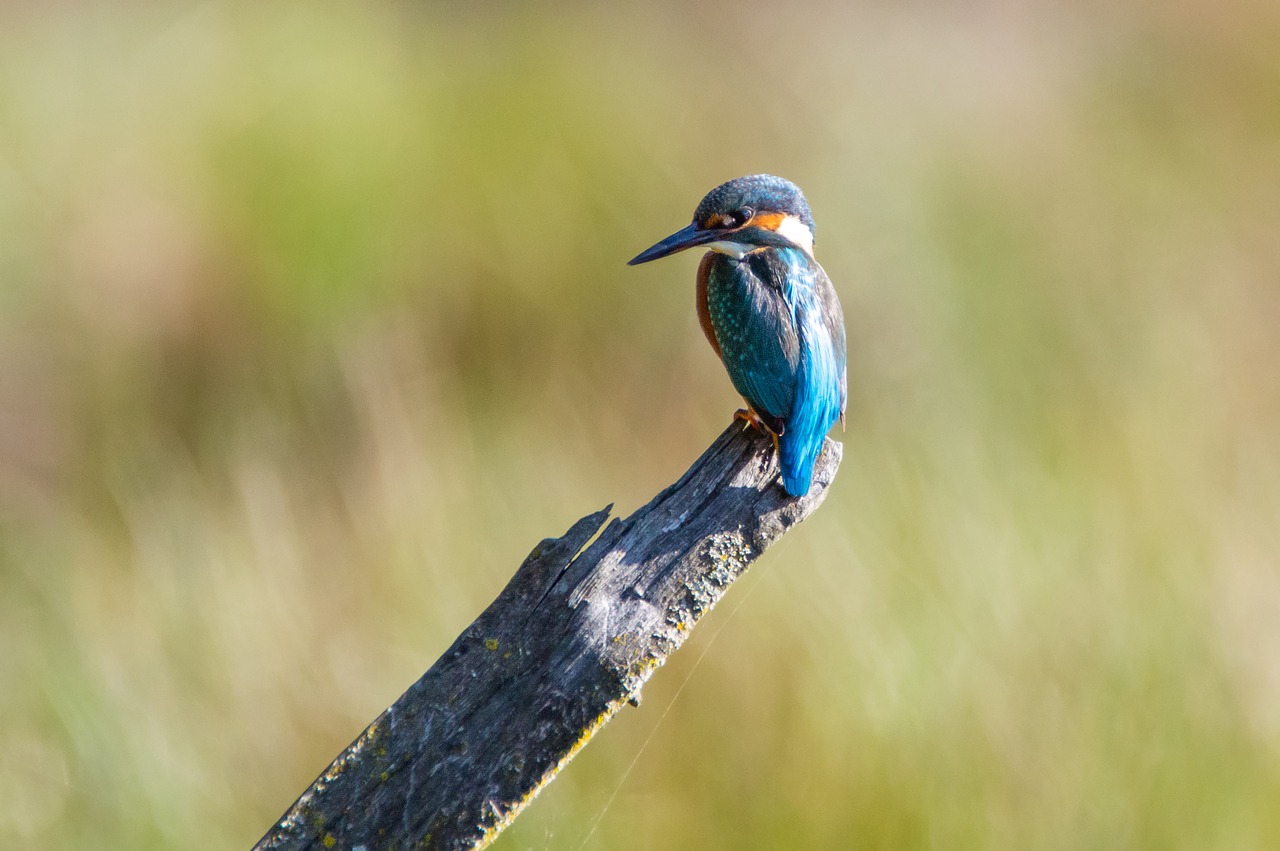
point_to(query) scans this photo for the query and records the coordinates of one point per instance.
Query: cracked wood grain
(571, 639)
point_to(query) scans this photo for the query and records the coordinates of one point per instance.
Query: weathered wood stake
(570, 640)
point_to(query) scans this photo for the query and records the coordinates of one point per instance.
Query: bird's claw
(751, 419)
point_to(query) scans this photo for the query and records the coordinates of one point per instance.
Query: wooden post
(570, 640)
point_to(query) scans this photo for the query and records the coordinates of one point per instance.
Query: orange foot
(751, 418)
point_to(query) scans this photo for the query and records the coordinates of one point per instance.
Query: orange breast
(704, 314)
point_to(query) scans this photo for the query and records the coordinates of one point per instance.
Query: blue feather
(784, 349)
(819, 394)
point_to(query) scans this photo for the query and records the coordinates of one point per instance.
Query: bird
(770, 313)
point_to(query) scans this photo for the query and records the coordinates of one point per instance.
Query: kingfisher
(770, 313)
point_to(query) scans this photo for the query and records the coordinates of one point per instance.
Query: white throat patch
(797, 233)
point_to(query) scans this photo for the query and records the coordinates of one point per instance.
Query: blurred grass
(313, 320)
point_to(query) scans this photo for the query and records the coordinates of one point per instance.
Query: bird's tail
(797, 454)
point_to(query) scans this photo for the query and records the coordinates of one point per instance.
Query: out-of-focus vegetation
(314, 319)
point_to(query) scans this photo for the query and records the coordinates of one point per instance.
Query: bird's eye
(741, 216)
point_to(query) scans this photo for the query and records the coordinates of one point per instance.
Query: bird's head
(758, 211)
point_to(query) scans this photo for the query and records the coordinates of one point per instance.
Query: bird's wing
(831, 316)
(820, 386)
(758, 337)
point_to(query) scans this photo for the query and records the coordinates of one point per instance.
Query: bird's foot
(751, 419)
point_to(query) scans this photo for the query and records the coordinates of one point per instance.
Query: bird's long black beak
(680, 240)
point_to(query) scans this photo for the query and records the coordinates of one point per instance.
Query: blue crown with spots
(764, 193)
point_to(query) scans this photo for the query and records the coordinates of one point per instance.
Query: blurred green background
(314, 319)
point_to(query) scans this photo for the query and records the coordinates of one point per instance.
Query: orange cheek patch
(767, 221)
